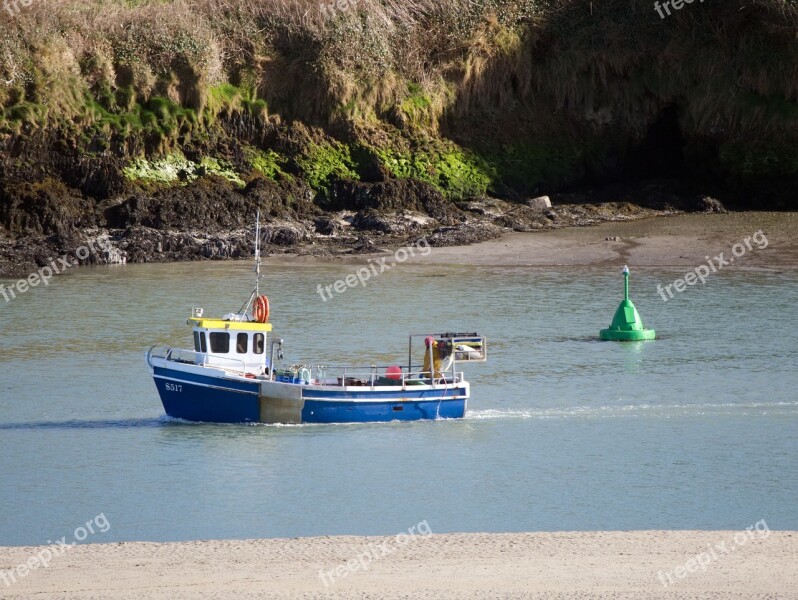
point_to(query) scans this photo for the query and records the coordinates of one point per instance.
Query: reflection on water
(563, 432)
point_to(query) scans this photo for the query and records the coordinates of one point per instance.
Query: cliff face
(110, 108)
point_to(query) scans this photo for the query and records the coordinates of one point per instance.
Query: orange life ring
(261, 312)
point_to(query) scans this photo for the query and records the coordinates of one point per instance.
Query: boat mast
(257, 254)
(255, 293)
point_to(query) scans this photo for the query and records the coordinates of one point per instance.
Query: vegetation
(177, 169)
(471, 96)
(453, 172)
(269, 163)
(321, 164)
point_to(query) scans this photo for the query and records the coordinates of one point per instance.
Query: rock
(329, 225)
(372, 220)
(283, 233)
(394, 195)
(461, 236)
(540, 203)
(392, 222)
(711, 205)
(283, 199)
(486, 207)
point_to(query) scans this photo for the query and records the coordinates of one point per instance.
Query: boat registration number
(173, 387)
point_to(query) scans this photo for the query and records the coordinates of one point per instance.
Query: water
(696, 430)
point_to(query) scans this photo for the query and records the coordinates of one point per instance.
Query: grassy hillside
(504, 97)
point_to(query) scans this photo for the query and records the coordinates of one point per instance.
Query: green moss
(220, 168)
(167, 170)
(455, 173)
(269, 163)
(176, 168)
(321, 164)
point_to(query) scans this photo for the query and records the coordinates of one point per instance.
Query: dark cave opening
(661, 153)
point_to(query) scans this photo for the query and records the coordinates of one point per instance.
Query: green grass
(227, 99)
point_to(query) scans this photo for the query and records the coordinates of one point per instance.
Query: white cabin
(232, 345)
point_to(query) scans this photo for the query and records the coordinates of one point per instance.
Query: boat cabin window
(220, 342)
(242, 340)
(196, 341)
(203, 342)
(257, 343)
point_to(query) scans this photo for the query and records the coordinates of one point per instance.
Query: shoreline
(681, 240)
(558, 565)
(668, 241)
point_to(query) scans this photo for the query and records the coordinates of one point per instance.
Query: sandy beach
(638, 564)
(681, 240)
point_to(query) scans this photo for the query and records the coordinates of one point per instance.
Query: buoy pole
(626, 283)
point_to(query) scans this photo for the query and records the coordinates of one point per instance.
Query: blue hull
(202, 398)
(194, 401)
(376, 412)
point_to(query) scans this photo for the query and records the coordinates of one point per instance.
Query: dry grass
(359, 55)
(600, 65)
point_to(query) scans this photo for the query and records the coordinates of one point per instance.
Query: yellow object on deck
(436, 361)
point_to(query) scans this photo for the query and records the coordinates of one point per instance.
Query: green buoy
(627, 326)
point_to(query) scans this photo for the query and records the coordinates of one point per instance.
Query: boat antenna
(255, 293)
(257, 253)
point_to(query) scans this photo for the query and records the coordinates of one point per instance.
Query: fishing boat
(236, 373)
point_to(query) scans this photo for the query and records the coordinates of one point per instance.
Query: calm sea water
(698, 429)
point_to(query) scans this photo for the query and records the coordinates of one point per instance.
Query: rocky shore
(211, 220)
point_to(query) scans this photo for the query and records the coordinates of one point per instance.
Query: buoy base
(620, 335)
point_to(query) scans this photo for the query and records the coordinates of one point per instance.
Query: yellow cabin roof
(233, 325)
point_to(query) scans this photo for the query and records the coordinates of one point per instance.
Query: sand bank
(450, 566)
(681, 240)
(670, 241)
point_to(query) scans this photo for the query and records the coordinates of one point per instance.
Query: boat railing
(377, 375)
(332, 375)
(156, 352)
(191, 357)
(215, 357)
